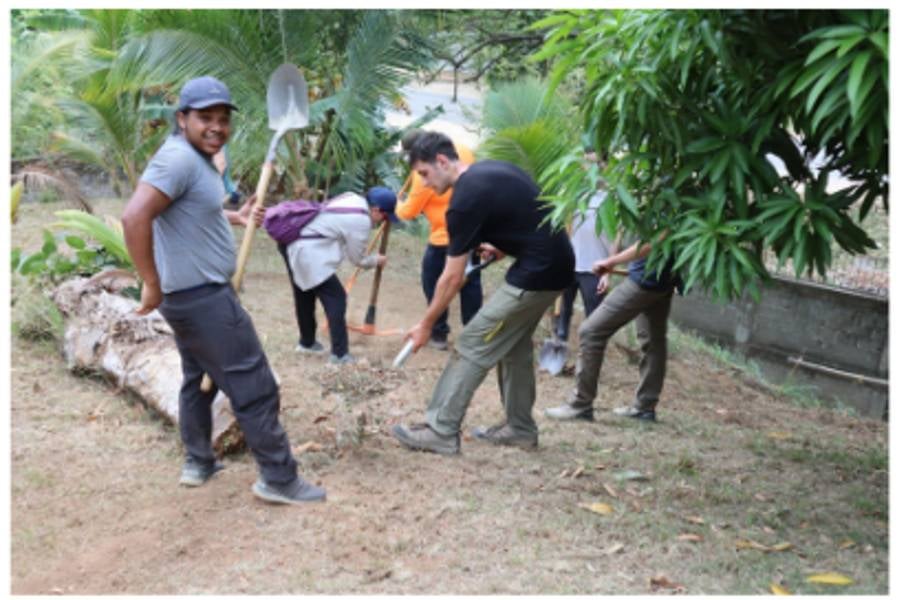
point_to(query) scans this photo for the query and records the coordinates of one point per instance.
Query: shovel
(554, 352)
(287, 103)
(408, 346)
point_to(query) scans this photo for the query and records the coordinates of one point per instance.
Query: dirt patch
(96, 510)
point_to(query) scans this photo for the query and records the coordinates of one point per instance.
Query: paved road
(460, 119)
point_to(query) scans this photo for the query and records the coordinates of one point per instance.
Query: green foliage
(691, 104)
(66, 255)
(108, 234)
(33, 315)
(528, 127)
(121, 72)
(15, 197)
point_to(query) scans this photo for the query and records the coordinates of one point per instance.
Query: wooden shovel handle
(369, 249)
(376, 283)
(247, 242)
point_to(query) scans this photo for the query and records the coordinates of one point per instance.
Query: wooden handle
(376, 283)
(244, 252)
(369, 248)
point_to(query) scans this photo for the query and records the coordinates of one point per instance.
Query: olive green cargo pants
(499, 334)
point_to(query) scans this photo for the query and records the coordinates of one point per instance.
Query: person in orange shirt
(424, 200)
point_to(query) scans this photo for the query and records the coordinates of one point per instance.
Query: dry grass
(95, 508)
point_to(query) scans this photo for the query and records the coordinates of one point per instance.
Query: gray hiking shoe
(633, 412)
(504, 435)
(565, 412)
(422, 437)
(194, 473)
(316, 348)
(341, 360)
(298, 491)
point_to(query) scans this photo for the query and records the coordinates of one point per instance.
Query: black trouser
(587, 284)
(470, 296)
(334, 300)
(214, 334)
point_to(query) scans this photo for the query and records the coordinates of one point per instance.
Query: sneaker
(341, 360)
(422, 437)
(316, 348)
(504, 435)
(566, 412)
(194, 473)
(641, 414)
(438, 344)
(298, 491)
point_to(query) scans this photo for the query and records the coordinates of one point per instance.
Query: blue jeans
(470, 296)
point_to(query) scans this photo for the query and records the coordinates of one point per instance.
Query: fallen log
(103, 335)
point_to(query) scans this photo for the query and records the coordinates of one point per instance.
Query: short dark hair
(429, 145)
(409, 138)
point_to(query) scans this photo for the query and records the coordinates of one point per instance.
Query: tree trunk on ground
(103, 335)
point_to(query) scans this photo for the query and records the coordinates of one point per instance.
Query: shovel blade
(552, 356)
(287, 99)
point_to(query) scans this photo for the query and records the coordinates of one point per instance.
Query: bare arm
(146, 204)
(448, 285)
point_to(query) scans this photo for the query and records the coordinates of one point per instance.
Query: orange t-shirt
(424, 200)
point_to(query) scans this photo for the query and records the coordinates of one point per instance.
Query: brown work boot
(422, 437)
(504, 435)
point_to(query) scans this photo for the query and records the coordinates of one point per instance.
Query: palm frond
(39, 177)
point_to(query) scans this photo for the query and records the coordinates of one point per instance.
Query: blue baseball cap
(384, 199)
(204, 92)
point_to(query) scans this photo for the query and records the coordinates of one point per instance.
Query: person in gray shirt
(180, 241)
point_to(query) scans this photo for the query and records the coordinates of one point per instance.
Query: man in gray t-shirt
(183, 249)
(192, 240)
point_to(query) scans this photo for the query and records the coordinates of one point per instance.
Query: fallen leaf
(614, 549)
(830, 578)
(630, 475)
(694, 519)
(601, 508)
(690, 537)
(779, 590)
(782, 547)
(661, 581)
(564, 474)
(577, 473)
(374, 576)
(848, 543)
(600, 467)
(751, 545)
(779, 435)
(636, 505)
(721, 411)
(610, 490)
(761, 497)
(309, 446)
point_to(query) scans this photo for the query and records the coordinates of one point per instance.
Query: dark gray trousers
(214, 334)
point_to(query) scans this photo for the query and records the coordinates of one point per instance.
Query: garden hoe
(287, 103)
(368, 326)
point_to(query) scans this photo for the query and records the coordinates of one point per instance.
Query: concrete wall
(835, 329)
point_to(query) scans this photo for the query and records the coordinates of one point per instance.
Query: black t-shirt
(497, 202)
